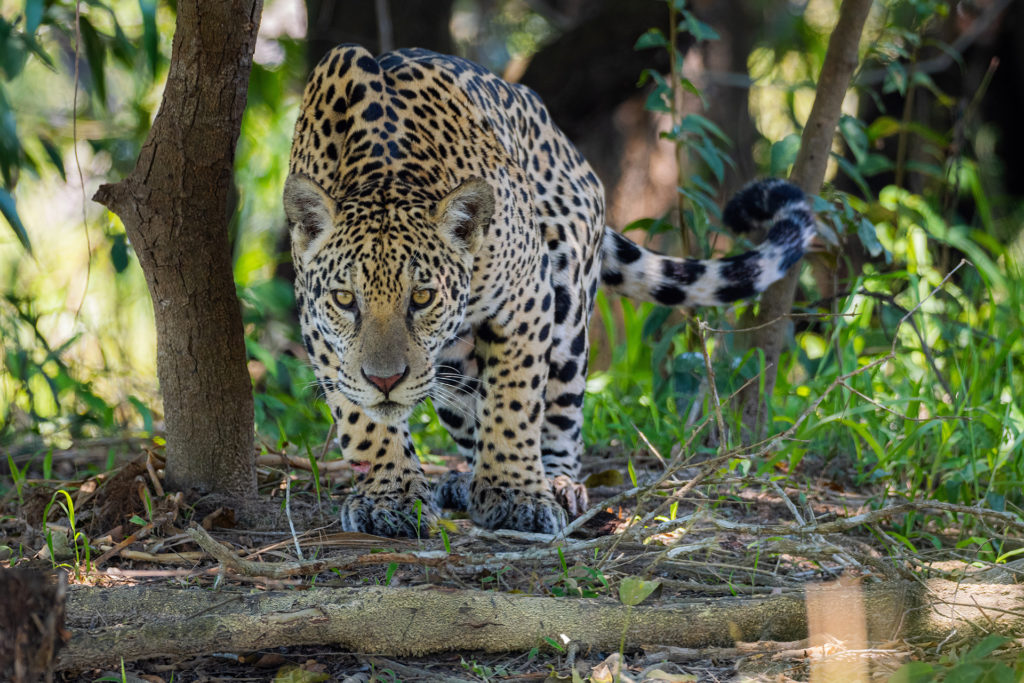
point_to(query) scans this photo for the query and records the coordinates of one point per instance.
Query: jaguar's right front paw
(509, 507)
(389, 514)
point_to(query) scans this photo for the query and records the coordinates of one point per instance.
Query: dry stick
(470, 563)
(327, 442)
(842, 525)
(843, 557)
(272, 570)
(702, 338)
(177, 500)
(288, 514)
(157, 486)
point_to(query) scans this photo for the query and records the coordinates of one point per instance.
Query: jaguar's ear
(308, 208)
(465, 212)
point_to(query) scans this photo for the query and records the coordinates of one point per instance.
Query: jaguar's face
(383, 281)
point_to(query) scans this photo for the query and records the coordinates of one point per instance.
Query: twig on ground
(158, 488)
(288, 514)
(177, 500)
(458, 563)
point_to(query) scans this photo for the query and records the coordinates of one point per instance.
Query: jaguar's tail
(777, 205)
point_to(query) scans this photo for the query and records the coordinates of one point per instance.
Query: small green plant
(76, 536)
(18, 477)
(578, 581)
(314, 467)
(976, 665)
(554, 644)
(494, 579)
(484, 672)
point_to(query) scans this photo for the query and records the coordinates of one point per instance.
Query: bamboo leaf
(10, 212)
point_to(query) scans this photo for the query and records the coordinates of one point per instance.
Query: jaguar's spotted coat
(448, 242)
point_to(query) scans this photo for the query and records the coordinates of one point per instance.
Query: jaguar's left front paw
(452, 491)
(507, 507)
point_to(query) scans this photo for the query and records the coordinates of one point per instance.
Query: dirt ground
(694, 530)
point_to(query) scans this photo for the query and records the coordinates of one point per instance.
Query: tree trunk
(174, 206)
(770, 323)
(129, 622)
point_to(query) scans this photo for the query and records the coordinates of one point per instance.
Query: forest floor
(693, 532)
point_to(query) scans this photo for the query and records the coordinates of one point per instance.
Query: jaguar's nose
(386, 384)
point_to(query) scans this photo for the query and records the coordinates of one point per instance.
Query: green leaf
(53, 154)
(853, 174)
(632, 472)
(654, 321)
(554, 643)
(855, 136)
(291, 673)
(33, 15)
(966, 672)
(987, 646)
(611, 477)
(868, 234)
(653, 38)
(712, 158)
(875, 164)
(137, 520)
(633, 590)
(119, 253)
(914, 672)
(883, 127)
(895, 79)
(145, 412)
(96, 55)
(784, 154)
(697, 28)
(149, 34)
(10, 212)
(658, 100)
(697, 123)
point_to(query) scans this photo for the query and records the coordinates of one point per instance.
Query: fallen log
(131, 623)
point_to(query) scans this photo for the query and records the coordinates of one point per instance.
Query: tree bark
(31, 623)
(808, 173)
(152, 621)
(174, 206)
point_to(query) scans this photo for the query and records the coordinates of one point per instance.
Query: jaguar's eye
(344, 298)
(421, 298)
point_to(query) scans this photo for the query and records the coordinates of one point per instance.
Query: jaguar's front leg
(509, 489)
(393, 498)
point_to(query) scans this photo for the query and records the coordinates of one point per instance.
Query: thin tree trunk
(808, 173)
(174, 206)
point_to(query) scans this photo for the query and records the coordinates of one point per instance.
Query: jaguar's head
(382, 284)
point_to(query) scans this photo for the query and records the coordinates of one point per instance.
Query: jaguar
(448, 242)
